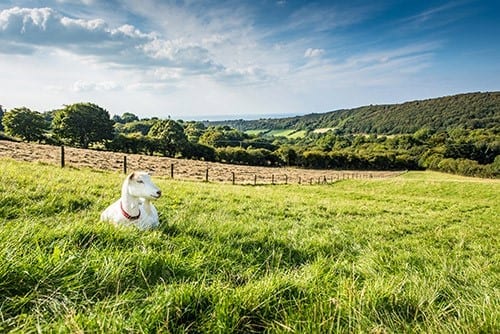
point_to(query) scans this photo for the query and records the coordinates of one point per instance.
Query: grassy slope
(289, 133)
(417, 253)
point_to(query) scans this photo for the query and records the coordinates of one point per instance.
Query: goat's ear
(131, 176)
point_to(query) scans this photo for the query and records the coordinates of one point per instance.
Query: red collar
(127, 215)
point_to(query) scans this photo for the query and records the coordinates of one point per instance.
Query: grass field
(185, 169)
(415, 253)
(281, 133)
(291, 134)
(297, 134)
(256, 132)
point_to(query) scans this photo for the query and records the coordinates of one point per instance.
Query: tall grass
(417, 253)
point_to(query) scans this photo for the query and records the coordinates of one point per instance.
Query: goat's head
(139, 184)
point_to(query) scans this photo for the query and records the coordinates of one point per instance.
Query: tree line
(455, 150)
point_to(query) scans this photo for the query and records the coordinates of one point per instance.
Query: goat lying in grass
(135, 207)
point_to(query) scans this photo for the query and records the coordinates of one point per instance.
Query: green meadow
(288, 133)
(418, 253)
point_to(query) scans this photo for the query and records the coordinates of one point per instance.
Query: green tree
(126, 117)
(83, 124)
(142, 126)
(213, 137)
(288, 155)
(194, 130)
(170, 136)
(199, 151)
(1, 117)
(24, 123)
(222, 137)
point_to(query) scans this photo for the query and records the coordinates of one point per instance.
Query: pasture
(413, 253)
(288, 133)
(185, 169)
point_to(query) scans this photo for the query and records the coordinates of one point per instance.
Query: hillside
(470, 111)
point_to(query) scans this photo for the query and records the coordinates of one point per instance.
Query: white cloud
(245, 75)
(174, 50)
(23, 18)
(91, 25)
(147, 87)
(39, 27)
(85, 2)
(28, 29)
(85, 86)
(167, 73)
(313, 53)
(131, 31)
(214, 40)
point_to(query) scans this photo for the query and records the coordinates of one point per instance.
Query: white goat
(135, 207)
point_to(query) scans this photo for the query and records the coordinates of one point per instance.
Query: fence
(181, 169)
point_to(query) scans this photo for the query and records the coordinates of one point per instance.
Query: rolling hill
(470, 111)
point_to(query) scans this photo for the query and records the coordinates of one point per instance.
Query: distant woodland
(456, 134)
(468, 111)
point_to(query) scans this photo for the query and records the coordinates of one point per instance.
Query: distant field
(280, 133)
(414, 253)
(323, 130)
(297, 134)
(256, 132)
(292, 134)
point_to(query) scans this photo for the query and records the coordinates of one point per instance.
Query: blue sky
(243, 59)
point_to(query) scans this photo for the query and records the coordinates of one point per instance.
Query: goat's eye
(140, 181)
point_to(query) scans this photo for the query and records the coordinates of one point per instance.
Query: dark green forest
(468, 111)
(456, 134)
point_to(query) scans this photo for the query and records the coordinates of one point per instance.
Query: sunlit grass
(280, 132)
(256, 132)
(416, 253)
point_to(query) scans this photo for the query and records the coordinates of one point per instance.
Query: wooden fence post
(172, 170)
(62, 156)
(255, 180)
(124, 164)
(234, 178)
(300, 180)
(206, 175)
(272, 179)
(286, 179)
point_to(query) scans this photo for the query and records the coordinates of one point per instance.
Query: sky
(208, 60)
